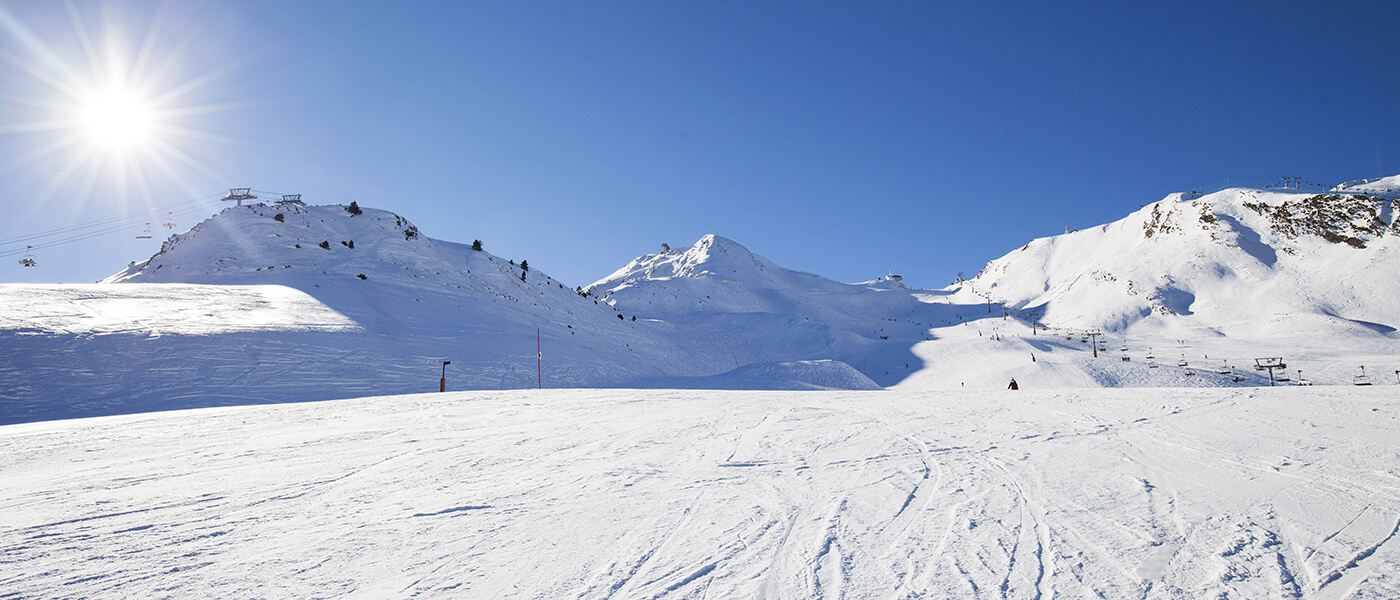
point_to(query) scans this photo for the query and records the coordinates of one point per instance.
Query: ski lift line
(80, 237)
(126, 221)
(132, 218)
(77, 238)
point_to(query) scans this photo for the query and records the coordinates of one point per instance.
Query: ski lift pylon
(239, 195)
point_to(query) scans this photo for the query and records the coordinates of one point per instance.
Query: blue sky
(845, 139)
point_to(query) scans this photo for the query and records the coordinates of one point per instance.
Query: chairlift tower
(291, 199)
(1271, 363)
(1094, 341)
(239, 195)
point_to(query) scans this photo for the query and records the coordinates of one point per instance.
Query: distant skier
(1013, 385)
(1032, 357)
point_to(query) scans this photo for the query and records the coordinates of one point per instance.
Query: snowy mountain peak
(371, 264)
(249, 244)
(712, 256)
(1241, 260)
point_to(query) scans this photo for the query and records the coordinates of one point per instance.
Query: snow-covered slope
(281, 303)
(365, 265)
(349, 305)
(1261, 264)
(723, 302)
(274, 303)
(589, 494)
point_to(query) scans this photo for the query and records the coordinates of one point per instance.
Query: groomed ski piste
(244, 415)
(1114, 493)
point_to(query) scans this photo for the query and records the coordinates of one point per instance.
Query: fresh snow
(1112, 493)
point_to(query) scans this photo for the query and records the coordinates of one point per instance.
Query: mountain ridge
(264, 303)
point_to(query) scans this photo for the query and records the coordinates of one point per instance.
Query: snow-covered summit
(719, 275)
(1380, 185)
(712, 256)
(1248, 262)
(371, 263)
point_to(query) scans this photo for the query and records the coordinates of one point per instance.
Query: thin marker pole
(539, 362)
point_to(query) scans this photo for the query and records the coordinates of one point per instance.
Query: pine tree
(354, 209)
(476, 245)
(524, 265)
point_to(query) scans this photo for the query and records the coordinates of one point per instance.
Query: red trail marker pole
(442, 383)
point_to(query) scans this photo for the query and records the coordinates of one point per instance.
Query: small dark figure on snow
(1013, 385)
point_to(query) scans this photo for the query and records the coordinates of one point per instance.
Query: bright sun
(117, 119)
(115, 106)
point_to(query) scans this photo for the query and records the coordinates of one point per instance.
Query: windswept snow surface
(1106, 493)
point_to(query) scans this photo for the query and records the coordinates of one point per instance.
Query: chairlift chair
(28, 258)
(1225, 369)
(145, 233)
(1361, 379)
(169, 220)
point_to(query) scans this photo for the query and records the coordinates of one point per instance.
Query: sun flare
(117, 119)
(114, 98)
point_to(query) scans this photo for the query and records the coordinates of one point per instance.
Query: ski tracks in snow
(621, 494)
